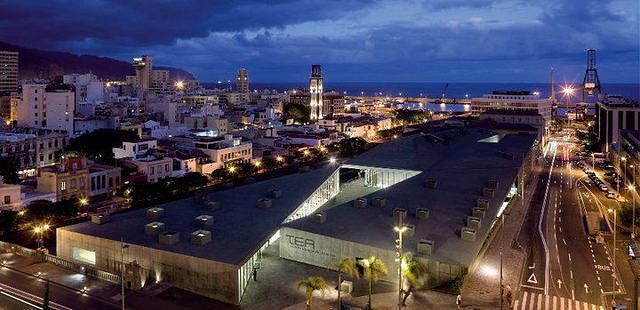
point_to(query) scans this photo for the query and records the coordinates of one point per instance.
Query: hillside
(38, 63)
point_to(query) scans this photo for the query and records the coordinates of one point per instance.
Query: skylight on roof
(492, 139)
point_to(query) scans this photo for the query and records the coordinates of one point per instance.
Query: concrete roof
(239, 228)
(461, 169)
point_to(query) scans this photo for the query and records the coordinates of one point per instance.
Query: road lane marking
(540, 221)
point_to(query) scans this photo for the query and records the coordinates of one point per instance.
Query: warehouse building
(449, 187)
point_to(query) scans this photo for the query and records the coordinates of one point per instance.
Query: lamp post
(501, 286)
(40, 231)
(400, 230)
(632, 188)
(613, 275)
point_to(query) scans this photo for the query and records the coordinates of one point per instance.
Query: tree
(99, 144)
(347, 266)
(373, 269)
(8, 171)
(351, 146)
(299, 112)
(193, 180)
(413, 270)
(44, 209)
(8, 220)
(310, 285)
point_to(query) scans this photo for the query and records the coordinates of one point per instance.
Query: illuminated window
(84, 256)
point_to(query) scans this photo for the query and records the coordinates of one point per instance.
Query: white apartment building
(135, 149)
(225, 150)
(89, 89)
(48, 109)
(513, 102)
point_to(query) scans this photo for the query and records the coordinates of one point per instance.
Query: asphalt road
(27, 290)
(566, 269)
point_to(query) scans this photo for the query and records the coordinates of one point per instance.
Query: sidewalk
(385, 301)
(482, 285)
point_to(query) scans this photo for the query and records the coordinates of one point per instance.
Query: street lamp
(568, 91)
(632, 188)
(613, 275)
(179, 85)
(400, 230)
(332, 160)
(39, 231)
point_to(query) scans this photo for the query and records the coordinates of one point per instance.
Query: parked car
(603, 187)
(611, 174)
(611, 195)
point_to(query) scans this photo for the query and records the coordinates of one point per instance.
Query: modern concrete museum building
(450, 187)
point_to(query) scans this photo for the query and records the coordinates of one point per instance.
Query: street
(26, 292)
(565, 267)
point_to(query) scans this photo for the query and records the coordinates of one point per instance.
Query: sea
(437, 90)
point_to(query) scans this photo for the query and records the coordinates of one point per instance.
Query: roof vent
(468, 234)
(492, 184)
(203, 220)
(153, 228)
(379, 202)
(360, 202)
(201, 237)
(264, 203)
(474, 222)
(478, 212)
(422, 213)
(169, 237)
(411, 231)
(488, 192)
(426, 247)
(482, 203)
(276, 193)
(431, 183)
(100, 218)
(319, 217)
(154, 213)
(399, 215)
(211, 205)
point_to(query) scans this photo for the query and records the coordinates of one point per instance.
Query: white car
(611, 195)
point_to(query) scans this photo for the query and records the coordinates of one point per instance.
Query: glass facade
(329, 189)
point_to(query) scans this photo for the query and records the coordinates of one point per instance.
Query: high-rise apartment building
(46, 107)
(315, 90)
(242, 81)
(8, 72)
(146, 77)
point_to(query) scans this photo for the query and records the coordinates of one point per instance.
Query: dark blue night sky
(278, 40)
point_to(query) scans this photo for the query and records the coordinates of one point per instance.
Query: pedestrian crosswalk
(537, 301)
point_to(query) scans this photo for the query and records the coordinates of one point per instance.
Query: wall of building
(325, 252)
(205, 277)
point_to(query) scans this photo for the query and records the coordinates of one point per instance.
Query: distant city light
(179, 85)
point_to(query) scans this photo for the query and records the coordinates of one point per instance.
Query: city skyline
(355, 41)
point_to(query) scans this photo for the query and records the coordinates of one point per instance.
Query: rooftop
(239, 228)
(461, 169)
(462, 166)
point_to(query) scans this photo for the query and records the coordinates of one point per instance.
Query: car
(611, 174)
(611, 195)
(603, 188)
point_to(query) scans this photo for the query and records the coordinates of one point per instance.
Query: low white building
(135, 149)
(225, 150)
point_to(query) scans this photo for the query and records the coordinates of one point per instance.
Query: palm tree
(347, 266)
(413, 270)
(312, 284)
(373, 269)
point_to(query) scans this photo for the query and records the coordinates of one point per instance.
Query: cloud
(384, 40)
